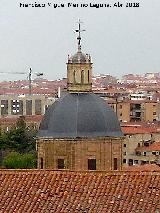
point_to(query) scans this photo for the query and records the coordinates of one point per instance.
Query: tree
(19, 140)
(15, 160)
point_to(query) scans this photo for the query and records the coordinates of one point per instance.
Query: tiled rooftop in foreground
(90, 192)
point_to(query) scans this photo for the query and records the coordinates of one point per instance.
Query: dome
(78, 58)
(79, 115)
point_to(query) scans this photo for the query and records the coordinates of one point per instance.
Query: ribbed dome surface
(79, 57)
(79, 115)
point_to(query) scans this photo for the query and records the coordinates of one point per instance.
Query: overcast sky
(120, 40)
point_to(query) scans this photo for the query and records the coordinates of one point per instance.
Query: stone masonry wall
(76, 153)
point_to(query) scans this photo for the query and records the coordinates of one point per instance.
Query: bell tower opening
(74, 76)
(82, 77)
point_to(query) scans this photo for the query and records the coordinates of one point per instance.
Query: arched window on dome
(82, 76)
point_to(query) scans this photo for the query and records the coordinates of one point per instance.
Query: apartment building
(24, 104)
(149, 153)
(141, 145)
(136, 110)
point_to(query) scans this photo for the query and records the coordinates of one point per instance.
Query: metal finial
(79, 34)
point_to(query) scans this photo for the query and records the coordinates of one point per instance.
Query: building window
(124, 153)
(20, 107)
(38, 107)
(4, 107)
(146, 143)
(130, 162)
(120, 114)
(41, 163)
(124, 160)
(138, 153)
(91, 164)
(60, 164)
(124, 145)
(115, 164)
(143, 162)
(16, 107)
(154, 113)
(144, 153)
(28, 107)
(135, 161)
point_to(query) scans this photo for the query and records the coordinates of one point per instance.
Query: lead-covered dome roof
(79, 115)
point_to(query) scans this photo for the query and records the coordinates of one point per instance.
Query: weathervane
(79, 34)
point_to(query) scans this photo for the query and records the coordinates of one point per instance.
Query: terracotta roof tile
(137, 130)
(45, 191)
(153, 147)
(28, 118)
(145, 167)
